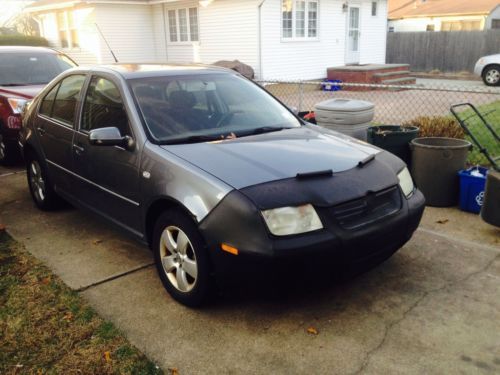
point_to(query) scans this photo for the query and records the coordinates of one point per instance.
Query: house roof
(424, 8)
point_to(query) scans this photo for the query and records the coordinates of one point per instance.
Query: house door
(353, 36)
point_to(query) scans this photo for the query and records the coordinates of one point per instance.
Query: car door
(109, 175)
(55, 128)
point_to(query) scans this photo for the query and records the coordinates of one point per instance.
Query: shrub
(23, 40)
(437, 126)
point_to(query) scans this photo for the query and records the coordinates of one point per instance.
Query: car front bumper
(335, 244)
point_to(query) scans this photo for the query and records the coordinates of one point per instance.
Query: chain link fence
(400, 105)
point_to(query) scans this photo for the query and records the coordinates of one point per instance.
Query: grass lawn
(491, 112)
(46, 328)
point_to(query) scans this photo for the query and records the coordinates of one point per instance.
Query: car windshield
(24, 68)
(204, 107)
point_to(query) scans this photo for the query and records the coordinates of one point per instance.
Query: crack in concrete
(12, 173)
(391, 325)
(114, 277)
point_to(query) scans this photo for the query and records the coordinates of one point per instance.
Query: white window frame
(177, 25)
(306, 37)
(67, 30)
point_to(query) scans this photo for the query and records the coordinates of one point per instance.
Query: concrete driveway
(434, 307)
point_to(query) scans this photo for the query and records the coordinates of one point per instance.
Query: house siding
(230, 32)
(129, 32)
(227, 31)
(89, 51)
(373, 38)
(293, 60)
(494, 15)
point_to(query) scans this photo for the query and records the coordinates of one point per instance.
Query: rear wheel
(41, 191)
(491, 75)
(181, 258)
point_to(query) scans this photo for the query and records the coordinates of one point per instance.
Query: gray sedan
(212, 172)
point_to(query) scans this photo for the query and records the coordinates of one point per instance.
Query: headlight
(292, 220)
(406, 182)
(17, 105)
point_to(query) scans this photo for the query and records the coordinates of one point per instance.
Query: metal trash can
(347, 116)
(435, 165)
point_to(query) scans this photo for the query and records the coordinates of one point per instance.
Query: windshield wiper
(193, 139)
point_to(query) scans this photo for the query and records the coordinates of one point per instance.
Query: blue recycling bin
(472, 183)
(331, 85)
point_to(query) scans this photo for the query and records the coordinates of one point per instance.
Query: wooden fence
(448, 51)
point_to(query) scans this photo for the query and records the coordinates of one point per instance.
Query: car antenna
(105, 41)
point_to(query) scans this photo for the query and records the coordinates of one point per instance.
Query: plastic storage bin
(347, 116)
(435, 163)
(472, 183)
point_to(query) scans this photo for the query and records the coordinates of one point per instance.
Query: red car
(24, 71)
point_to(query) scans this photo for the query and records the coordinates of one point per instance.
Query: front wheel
(491, 75)
(41, 191)
(181, 258)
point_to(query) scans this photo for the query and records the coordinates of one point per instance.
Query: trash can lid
(344, 105)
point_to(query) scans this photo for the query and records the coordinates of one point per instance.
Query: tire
(8, 154)
(39, 185)
(491, 75)
(181, 258)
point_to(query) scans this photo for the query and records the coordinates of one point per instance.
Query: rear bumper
(333, 244)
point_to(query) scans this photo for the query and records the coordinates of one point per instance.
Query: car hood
(274, 156)
(27, 92)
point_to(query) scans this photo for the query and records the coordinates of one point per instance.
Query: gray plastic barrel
(490, 212)
(435, 165)
(347, 116)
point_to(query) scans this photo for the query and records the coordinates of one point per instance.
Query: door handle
(78, 149)
(41, 130)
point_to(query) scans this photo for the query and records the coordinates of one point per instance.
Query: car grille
(374, 206)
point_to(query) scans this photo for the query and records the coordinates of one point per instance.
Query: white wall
(293, 60)
(89, 51)
(175, 52)
(128, 30)
(373, 38)
(309, 59)
(420, 23)
(414, 24)
(229, 31)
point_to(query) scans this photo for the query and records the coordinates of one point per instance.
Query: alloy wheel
(178, 259)
(3, 149)
(36, 181)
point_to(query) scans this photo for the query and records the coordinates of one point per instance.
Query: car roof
(27, 49)
(131, 71)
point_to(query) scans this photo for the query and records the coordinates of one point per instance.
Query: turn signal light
(229, 249)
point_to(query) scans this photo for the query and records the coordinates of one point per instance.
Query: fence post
(301, 95)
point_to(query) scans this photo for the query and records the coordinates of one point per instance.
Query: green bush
(437, 126)
(23, 40)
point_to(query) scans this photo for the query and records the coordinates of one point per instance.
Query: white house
(443, 15)
(280, 39)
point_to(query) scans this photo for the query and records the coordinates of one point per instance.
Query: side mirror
(110, 137)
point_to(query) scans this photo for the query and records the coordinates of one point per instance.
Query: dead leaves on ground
(312, 331)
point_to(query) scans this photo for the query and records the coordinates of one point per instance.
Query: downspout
(261, 69)
(165, 31)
